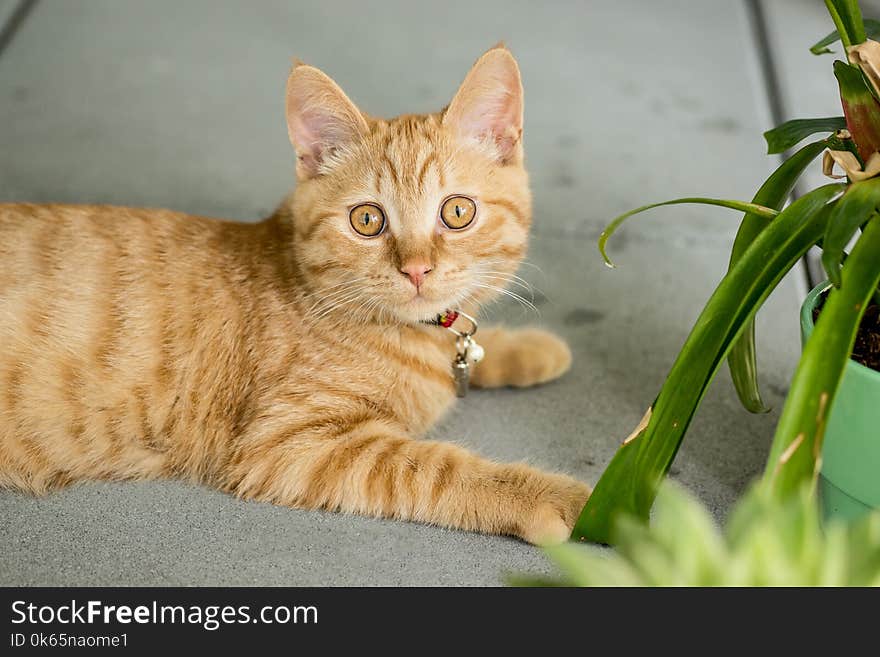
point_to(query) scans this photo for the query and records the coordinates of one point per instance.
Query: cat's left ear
(321, 120)
(488, 106)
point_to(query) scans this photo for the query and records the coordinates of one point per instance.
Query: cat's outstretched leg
(376, 470)
(520, 358)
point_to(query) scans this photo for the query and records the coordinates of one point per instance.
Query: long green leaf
(795, 453)
(872, 31)
(742, 206)
(861, 200)
(630, 482)
(784, 136)
(772, 194)
(848, 18)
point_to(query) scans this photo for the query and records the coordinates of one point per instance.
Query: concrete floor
(179, 104)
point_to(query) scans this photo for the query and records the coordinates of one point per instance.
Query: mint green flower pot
(849, 483)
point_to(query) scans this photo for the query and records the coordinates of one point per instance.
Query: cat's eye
(367, 219)
(458, 212)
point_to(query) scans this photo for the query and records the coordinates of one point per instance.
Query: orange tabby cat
(287, 360)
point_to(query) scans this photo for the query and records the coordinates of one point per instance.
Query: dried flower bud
(867, 57)
(848, 162)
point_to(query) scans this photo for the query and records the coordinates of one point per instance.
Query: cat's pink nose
(416, 272)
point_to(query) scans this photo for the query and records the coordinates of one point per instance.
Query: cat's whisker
(335, 305)
(379, 309)
(329, 298)
(334, 297)
(512, 276)
(329, 288)
(365, 307)
(376, 309)
(536, 269)
(493, 263)
(533, 266)
(363, 291)
(336, 300)
(508, 281)
(339, 289)
(324, 313)
(469, 298)
(513, 295)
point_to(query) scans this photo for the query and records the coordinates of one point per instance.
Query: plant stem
(838, 23)
(847, 18)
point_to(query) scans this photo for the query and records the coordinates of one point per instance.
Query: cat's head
(410, 216)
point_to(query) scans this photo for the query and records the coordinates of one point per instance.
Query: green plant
(769, 242)
(767, 542)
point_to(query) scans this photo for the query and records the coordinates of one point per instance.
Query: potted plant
(769, 242)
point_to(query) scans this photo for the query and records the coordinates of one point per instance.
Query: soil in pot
(867, 346)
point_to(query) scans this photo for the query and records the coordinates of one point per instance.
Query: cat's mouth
(421, 306)
(415, 305)
(421, 302)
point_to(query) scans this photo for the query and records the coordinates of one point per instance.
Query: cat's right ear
(321, 120)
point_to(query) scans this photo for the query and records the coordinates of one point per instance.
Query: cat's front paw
(523, 358)
(552, 519)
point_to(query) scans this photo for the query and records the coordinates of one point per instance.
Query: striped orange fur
(285, 360)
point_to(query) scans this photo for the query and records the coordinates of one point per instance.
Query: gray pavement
(179, 104)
